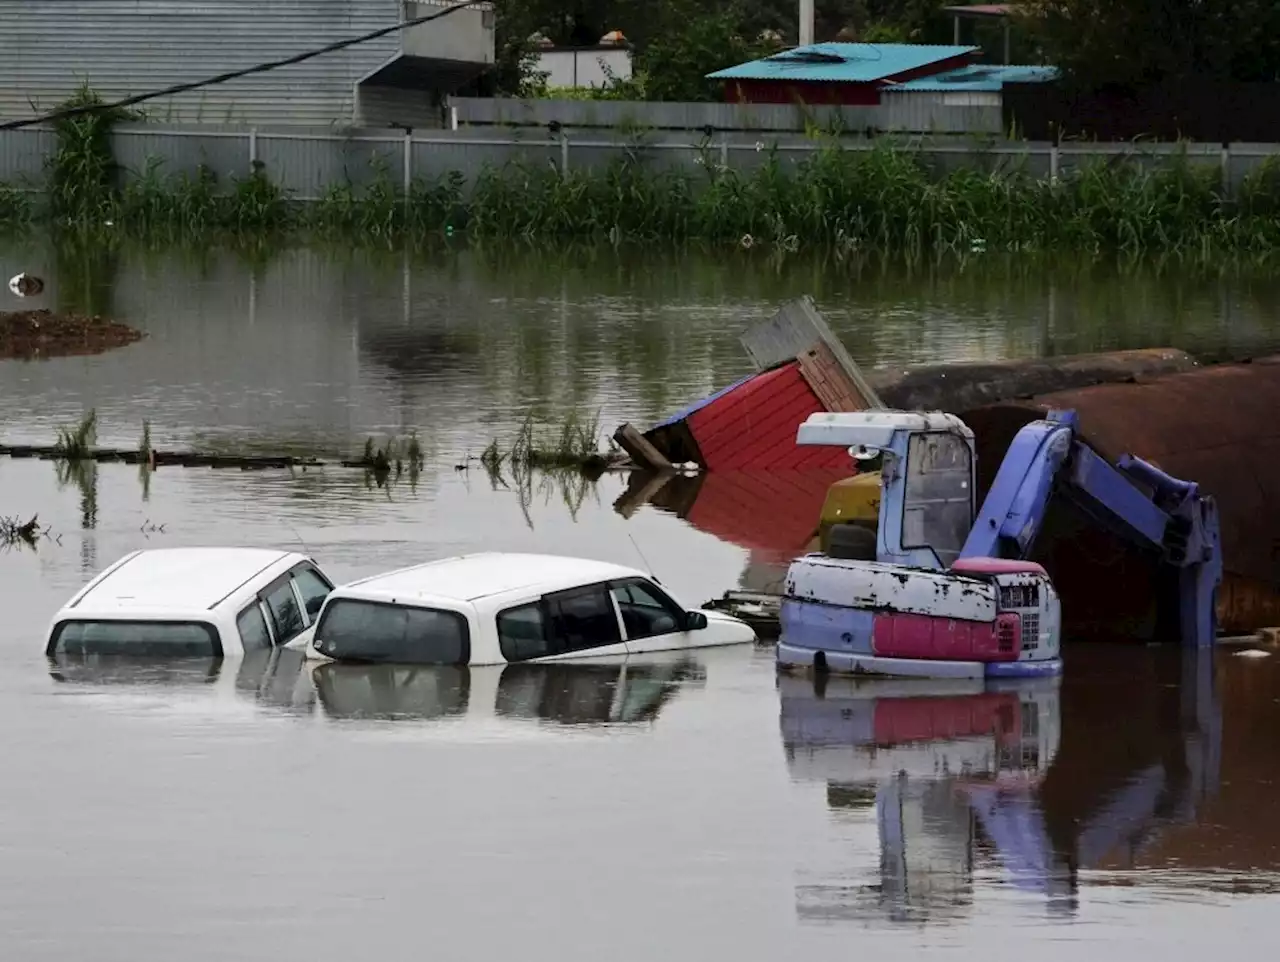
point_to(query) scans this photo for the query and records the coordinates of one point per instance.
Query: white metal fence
(918, 112)
(308, 162)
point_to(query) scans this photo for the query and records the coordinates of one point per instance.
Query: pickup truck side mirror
(694, 621)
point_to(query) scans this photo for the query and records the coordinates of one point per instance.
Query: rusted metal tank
(959, 387)
(1213, 425)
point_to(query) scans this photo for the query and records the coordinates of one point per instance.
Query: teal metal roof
(980, 77)
(842, 62)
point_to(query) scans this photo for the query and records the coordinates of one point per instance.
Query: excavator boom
(1163, 516)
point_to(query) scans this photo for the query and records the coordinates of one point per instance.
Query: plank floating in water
(186, 459)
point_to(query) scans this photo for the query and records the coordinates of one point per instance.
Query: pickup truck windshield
(375, 631)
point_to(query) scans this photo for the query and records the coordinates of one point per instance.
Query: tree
(1137, 43)
(697, 41)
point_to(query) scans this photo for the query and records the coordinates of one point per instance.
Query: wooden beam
(642, 452)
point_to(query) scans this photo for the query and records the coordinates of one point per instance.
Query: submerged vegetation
(887, 199)
(573, 445)
(76, 443)
(20, 533)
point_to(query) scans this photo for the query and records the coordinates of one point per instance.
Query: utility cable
(235, 74)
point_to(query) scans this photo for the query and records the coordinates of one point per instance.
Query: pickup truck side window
(283, 605)
(576, 620)
(252, 625)
(646, 610)
(522, 633)
(581, 619)
(313, 588)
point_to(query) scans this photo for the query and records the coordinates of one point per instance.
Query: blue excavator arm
(1132, 498)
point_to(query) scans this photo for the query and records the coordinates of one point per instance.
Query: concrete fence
(308, 162)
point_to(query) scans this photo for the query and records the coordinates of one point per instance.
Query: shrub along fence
(306, 163)
(791, 189)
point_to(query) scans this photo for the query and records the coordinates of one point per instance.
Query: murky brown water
(681, 808)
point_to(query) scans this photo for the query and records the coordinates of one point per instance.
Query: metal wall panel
(308, 166)
(22, 156)
(125, 47)
(927, 112)
(675, 116)
(174, 154)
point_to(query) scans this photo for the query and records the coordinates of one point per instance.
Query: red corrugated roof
(754, 426)
(773, 514)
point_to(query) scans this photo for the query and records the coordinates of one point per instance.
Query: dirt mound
(34, 335)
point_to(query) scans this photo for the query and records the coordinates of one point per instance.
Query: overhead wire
(236, 74)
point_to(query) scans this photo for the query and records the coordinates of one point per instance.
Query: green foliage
(15, 207)
(574, 444)
(82, 170)
(884, 200)
(881, 200)
(698, 40)
(76, 444)
(1139, 42)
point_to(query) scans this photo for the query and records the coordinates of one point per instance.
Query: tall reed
(882, 200)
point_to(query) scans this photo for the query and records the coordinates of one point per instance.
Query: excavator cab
(918, 508)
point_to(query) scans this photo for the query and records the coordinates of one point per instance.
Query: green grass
(572, 445)
(76, 444)
(882, 201)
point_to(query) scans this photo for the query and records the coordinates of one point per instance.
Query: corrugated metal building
(851, 74)
(125, 47)
(932, 103)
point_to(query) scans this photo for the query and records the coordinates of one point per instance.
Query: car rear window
(375, 631)
(169, 639)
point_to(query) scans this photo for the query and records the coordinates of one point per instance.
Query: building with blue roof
(851, 74)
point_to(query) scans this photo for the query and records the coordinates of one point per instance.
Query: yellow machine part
(851, 500)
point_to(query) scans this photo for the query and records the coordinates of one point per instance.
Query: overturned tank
(1214, 425)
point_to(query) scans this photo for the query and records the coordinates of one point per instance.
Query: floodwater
(676, 807)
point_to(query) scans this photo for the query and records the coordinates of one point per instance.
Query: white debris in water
(24, 285)
(1253, 653)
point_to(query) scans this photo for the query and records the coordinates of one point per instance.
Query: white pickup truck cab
(192, 602)
(496, 608)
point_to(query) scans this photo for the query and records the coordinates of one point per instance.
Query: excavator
(915, 579)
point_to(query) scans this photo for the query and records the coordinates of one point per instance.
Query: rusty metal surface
(1214, 425)
(958, 387)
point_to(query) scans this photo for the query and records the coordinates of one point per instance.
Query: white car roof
(468, 578)
(178, 579)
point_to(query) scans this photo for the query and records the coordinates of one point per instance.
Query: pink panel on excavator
(925, 637)
(997, 566)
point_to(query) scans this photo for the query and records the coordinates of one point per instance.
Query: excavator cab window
(937, 509)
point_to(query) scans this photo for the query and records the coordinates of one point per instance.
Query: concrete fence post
(253, 148)
(564, 154)
(407, 182)
(1053, 163)
(1225, 161)
(724, 153)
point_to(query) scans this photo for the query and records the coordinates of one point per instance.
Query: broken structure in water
(1208, 424)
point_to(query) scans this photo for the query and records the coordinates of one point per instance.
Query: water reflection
(460, 343)
(1006, 791)
(611, 692)
(622, 691)
(949, 769)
